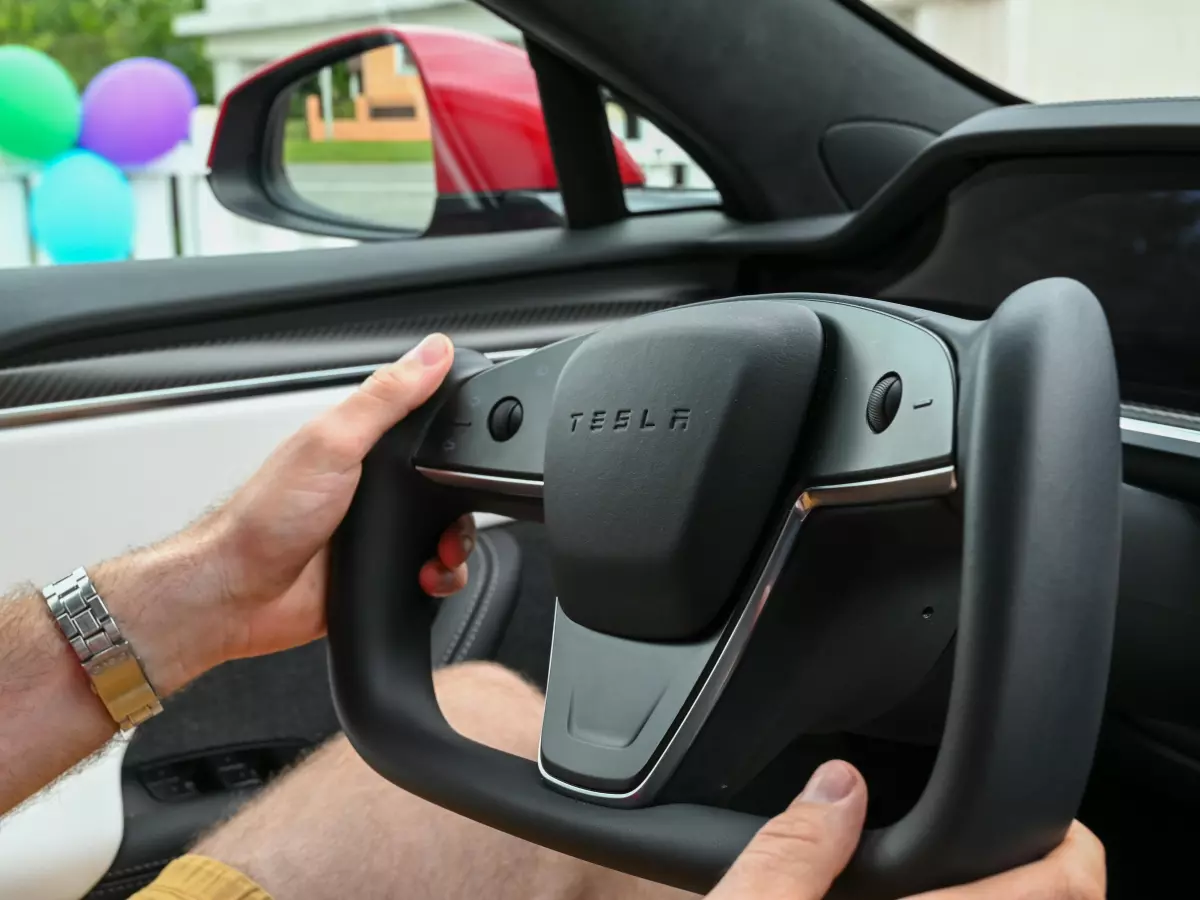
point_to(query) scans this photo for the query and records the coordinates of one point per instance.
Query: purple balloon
(136, 110)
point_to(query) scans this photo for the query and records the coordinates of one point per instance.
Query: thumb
(389, 395)
(798, 853)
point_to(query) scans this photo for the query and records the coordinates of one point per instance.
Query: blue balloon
(82, 210)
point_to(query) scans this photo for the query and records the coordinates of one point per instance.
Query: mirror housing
(491, 152)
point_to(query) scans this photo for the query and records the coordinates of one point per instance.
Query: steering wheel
(679, 461)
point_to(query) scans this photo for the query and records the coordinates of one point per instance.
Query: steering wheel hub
(668, 443)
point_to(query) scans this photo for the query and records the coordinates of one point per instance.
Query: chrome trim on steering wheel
(1160, 436)
(496, 484)
(916, 485)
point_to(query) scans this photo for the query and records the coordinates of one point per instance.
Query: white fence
(175, 212)
(177, 215)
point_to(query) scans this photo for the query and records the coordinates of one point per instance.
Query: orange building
(390, 105)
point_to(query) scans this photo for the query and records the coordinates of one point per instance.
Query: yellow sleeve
(200, 878)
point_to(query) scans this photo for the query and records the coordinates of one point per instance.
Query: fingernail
(468, 544)
(832, 782)
(432, 350)
(447, 583)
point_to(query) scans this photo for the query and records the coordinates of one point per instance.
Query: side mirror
(392, 132)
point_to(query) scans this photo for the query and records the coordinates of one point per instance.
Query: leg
(335, 829)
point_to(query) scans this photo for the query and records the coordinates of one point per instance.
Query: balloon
(81, 210)
(39, 105)
(136, 110)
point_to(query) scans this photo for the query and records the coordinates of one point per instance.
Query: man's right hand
(798, 854)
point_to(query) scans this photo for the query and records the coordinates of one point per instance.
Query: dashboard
(1128, 229)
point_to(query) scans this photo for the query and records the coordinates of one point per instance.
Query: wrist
(167, 600)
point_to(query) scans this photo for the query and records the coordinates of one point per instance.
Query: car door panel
(84, 811)
(119, 481)
(125, 480)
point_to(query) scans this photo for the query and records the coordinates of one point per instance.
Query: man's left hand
(256, 567)
(272, 535)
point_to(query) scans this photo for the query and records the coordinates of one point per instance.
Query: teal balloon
(81, 210)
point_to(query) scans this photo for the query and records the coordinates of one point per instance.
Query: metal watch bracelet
(116, 675)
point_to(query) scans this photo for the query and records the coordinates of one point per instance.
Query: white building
(1056, 50)
(241, 35)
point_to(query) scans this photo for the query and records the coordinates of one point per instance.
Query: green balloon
(39, 105)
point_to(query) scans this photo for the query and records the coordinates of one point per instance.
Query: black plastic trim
(862, 156)
(580, 140)
(1099, 130)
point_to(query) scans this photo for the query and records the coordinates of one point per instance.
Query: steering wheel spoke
(488, 436)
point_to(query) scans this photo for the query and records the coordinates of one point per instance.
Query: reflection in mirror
(357, 141)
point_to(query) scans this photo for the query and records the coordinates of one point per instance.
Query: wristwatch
(116, 675)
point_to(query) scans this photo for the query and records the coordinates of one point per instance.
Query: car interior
(886, 448)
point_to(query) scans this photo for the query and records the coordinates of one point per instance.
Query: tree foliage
(87, 35)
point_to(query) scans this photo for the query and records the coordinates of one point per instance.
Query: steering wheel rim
(1035, 444)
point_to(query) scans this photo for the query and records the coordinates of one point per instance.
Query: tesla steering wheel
(675, 459)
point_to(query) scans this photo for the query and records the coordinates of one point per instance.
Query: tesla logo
(631, 420)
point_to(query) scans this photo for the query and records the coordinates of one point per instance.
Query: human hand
(798, 854)
(273, 534)
(256, 567)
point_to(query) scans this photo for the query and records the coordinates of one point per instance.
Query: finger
(457, 542)
(1072, 871)
(798, 853)
(390, 394)
(439, 581)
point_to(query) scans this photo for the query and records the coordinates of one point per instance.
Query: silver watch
(116, 675)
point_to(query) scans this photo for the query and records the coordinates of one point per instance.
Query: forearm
(50, 717)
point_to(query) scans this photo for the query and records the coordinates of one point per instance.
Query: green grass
(295, 130)
(304, 151)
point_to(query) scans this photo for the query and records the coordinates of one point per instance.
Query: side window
(444, 133)
(671, 178)
(87, 176)
(440, 131)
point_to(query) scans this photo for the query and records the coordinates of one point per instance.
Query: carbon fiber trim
(296, 352)
(342, 333)
(157, 370)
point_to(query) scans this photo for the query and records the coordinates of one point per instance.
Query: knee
(490, 704)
